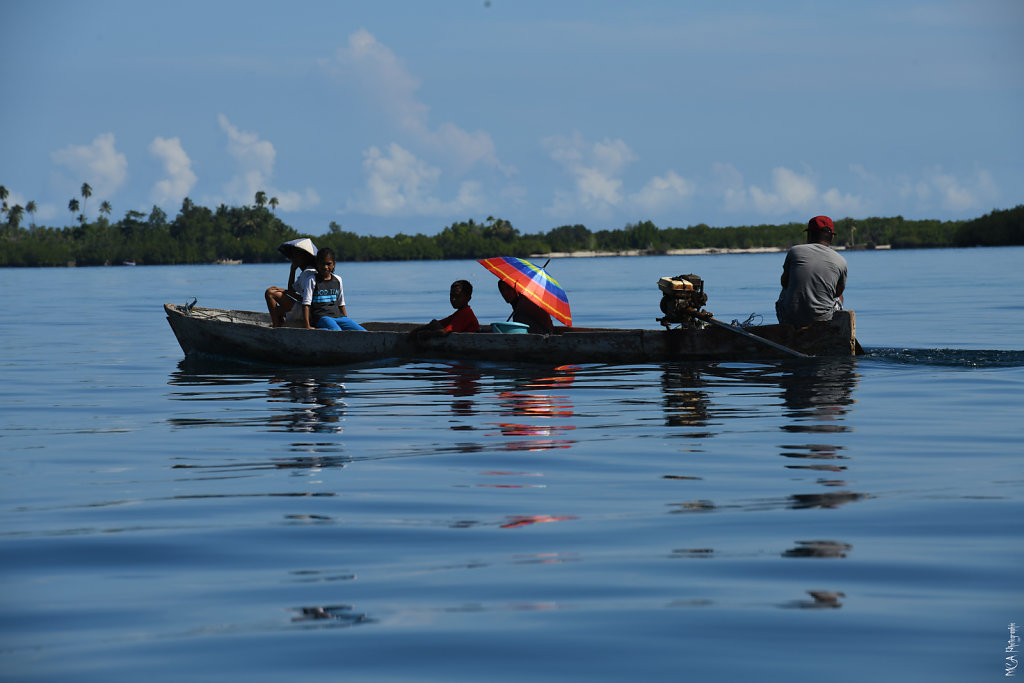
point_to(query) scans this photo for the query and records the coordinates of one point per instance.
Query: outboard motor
(682, 299)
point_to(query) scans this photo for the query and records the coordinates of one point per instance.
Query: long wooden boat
(248, 336)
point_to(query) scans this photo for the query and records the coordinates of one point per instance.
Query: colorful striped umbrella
(532, 282)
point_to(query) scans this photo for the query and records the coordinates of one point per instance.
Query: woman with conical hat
(302, 254)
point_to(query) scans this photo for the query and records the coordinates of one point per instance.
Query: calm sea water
(848, 520)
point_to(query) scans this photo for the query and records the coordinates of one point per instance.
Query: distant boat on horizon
(127, 263)
(228, 261)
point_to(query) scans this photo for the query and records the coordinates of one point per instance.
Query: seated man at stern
(813, 277)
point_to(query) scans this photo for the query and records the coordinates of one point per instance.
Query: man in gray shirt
(813, 277)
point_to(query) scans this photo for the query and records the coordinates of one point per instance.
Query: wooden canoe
(248, 336)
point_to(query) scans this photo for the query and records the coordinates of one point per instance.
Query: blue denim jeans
(338, 324)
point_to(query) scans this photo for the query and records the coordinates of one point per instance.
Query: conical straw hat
(292, 248)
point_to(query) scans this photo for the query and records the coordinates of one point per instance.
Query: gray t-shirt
(816, 272)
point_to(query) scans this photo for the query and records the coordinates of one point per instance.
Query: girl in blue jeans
(323, 300)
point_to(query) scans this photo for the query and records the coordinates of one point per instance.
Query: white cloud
(596, 189)
(44, 212)
(15, 198)
(563, 205)
(789, 192)
(398, 181)
(384, 77)
(837, 203)
(255, 158)
(663, 192)
(955, 194)
(467, 148)
(379, 71)
(400, 184)
(178, 167)
(934, 190)
(863, 174)
(728, 183)
(594, 167)
(98, 164)
(292, 200)
(938, 189)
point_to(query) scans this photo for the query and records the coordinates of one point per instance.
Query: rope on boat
(753, 320)
(192, 311)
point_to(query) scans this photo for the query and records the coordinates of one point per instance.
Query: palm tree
(14, 215)
(273, 204)
(30, 209)
(86, 193)
(106, 208)
(73, 207)
(261, 198)
(3, 196)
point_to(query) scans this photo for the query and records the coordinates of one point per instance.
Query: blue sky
(402, 116)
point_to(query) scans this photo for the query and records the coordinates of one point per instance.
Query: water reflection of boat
(819, 600)
(248, 336)
(832, 549)
(686, 405)
(817, 397)
(303, 402)
(315, 404)
(334, 615)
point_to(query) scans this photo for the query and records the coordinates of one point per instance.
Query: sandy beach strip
(675, 252)
(646, 252)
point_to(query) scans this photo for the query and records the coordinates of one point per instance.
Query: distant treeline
(252, 233)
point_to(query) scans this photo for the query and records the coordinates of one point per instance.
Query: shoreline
(707, 251)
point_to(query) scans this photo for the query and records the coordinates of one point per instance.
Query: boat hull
(248, 336)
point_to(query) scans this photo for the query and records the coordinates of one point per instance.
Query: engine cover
(682, 297)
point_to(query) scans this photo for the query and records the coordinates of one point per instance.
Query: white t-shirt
(295, 312)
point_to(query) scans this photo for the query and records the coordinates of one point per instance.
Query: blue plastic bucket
(510, 328)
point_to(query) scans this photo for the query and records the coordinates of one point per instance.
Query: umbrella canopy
(298, 247)
(532, 282)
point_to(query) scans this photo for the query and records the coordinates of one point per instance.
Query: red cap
(821, 224)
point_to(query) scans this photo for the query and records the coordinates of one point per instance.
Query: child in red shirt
(462, 320)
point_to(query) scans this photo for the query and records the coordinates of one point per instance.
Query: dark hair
(323, 254)
(466, 287)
